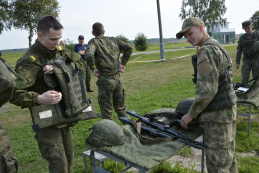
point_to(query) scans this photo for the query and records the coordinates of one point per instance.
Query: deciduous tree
(28, 12)
(210, 11)
(255, 20)
(5, 15)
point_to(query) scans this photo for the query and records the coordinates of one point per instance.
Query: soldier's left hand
(185, 121)
(48, 69)
(122, 67)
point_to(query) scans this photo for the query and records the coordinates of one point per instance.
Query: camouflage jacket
(211, 63)
(245, 43)
(30, 76)
(104, 53)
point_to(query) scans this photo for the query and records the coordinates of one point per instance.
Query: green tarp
(146, 156)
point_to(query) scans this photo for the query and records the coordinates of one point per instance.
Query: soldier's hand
(237, 66)
(122, 68)
(49, 97)
(96, 72)
(186, 119)
(48, 69)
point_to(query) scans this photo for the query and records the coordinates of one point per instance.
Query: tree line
(24, 14)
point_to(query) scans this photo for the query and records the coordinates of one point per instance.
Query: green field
(149, 86)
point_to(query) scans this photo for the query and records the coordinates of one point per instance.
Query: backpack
(247, 90)
(7, 81)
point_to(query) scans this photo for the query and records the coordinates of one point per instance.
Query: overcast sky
(127, 17)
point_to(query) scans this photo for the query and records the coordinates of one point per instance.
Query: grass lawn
(148, 86)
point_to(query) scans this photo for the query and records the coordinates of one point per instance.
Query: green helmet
(255, 47)
(184, 106)
(106, 133)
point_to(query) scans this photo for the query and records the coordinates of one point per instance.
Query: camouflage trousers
(248, 66)
(56, 146)
(87, 74)
(220, 158)
(8, 162)
(111, 95)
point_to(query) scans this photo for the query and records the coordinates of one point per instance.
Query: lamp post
(162, 52)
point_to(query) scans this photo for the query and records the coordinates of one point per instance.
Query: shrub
(123, 38)
(140, 42)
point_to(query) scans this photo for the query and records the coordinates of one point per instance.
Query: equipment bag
(248, 90)
(7, 81)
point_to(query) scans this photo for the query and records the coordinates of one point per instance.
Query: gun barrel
(165, 129)
(158, 132)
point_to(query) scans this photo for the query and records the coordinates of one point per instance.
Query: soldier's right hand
(49, 97)
(96, 72)
(237, 66)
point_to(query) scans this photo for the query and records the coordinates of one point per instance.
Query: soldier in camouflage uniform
(55, 144)
(104, 53)
(8, 161)
(215, 98)
(250, 60)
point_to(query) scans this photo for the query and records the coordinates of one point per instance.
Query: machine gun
(159, 133)
(165, 128)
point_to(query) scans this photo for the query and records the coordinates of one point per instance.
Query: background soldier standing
(55, 144)
(104, 53)
(250, 60)
(80, 49)
(8, 162)
(215, 97)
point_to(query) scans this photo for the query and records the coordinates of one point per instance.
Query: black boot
(89, 90)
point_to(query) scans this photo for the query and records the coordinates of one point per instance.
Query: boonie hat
(187, 24)
(246, 24)
(80, 37)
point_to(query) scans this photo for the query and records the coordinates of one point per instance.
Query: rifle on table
(159, 133)
(165, 128)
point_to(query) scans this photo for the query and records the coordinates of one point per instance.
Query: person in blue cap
(80, 49)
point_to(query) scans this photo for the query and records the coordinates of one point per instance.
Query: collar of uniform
(208, 39)
(43, 52)
(100, 36)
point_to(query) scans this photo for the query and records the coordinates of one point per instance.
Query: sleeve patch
(204, 67)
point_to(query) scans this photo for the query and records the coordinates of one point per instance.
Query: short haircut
(47, 22)
(98, 28)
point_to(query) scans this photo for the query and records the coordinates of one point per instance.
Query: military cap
(187, 24)
(80, 37)
(246, 24)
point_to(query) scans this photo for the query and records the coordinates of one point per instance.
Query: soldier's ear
(103, 31)
(39, 34)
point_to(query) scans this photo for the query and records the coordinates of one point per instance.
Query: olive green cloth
(146, 156)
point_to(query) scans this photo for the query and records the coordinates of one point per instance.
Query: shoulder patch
(32, 58)
(60, 47)
(203, 65)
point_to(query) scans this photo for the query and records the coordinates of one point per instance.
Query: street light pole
(162, 52)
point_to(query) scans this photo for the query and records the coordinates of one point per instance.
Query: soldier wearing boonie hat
(245, 46)
(218, 116)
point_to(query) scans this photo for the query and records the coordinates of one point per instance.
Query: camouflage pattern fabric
(212, 62)
(87, 75)
(250, 60)
(143, 155)
(221, 139)
(7, 81)
(248, 66)
(56, 146)
(30, 85)
(104, 53)
(8, 162)
(111, 94)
